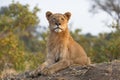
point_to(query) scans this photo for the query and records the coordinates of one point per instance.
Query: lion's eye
(62, 19)
(53, 19)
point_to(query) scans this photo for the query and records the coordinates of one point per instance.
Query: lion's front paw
(47, 71)
(35, 73)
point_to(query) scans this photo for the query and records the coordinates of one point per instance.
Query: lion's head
(58, 22)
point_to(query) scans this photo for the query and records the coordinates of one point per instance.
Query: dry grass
(7, 72)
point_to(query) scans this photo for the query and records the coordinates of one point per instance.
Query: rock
(101, 71)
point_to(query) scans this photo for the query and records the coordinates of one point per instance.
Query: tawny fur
(62, 50)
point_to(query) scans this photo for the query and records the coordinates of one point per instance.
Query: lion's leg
(50, 59)
(62, 64)
(44, 65)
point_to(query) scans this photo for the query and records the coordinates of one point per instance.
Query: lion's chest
(56, 48)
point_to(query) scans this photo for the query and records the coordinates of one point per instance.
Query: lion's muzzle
(58, 28)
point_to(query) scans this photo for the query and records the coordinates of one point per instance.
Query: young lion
(63, 51)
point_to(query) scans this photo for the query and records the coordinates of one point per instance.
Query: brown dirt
(101, 71)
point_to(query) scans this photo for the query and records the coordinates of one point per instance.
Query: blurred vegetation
(19, 44)
(23, 41)
(110, 42)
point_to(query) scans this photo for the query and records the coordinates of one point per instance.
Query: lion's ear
(48, 14)
(68, 15)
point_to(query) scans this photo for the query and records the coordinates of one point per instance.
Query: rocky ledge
(101, 71)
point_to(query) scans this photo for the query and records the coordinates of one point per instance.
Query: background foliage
(19, 48)
(23, 47)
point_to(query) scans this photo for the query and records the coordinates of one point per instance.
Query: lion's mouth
(58, 29)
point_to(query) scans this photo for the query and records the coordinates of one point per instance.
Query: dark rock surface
(101, 71)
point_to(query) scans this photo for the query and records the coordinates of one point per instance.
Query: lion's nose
(57, 24)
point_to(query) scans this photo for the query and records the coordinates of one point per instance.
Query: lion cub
(62, 50)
